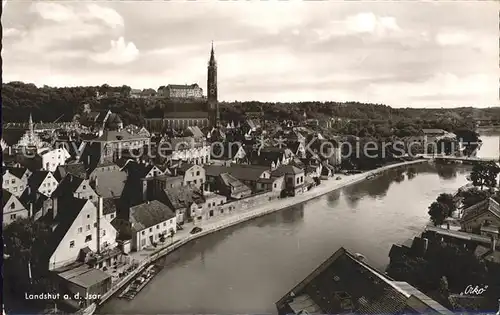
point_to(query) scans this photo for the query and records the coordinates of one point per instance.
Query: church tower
(213, 104)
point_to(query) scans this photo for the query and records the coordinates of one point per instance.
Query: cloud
(378, 51)
(12, 32)
(119, 53)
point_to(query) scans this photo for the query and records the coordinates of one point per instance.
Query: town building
(43, 182)
(180, 199)
(346, 284)
(231, 187)
(15, 179)
(189, 150)
(484, 213)
(177, 91)
(108, 147)
(12, 208)
(192, 174)
(150, 223)
(51, 159)
(227, 153)
(178, 120)
(76, 230)
(75, 186)
(294, 178)
(22, 138)
(258, 178)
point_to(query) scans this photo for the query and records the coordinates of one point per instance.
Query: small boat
(138, 284)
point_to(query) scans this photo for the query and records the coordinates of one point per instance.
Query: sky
(403, 54)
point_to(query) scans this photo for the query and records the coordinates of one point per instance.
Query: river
(247, 268)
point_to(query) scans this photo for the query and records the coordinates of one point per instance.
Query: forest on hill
(50, 103)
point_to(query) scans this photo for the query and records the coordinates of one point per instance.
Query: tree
(26, 244)
(449, 201)
(473, 196)
(485, 174)
(438, 212)
(171, 234)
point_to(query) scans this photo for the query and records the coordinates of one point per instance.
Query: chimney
(425, 245)
(100, 207)
(493, 243)
(99, 216)
(30, 214)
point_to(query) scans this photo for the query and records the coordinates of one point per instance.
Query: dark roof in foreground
(344, 284)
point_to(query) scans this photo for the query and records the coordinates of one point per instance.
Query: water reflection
(291, 215)
(333, 198)
(399, 175)
(446, 172)
(411, 173)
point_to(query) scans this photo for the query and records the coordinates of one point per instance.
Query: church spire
(31, 130)
(212, 56)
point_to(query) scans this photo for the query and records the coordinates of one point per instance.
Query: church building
(207, 116)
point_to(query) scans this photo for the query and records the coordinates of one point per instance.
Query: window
(21, 188)
(95, 224)
(90, 197)
(80, 229)
(197, 173)
(88, 227)
(13, 181)
(194, 181)
(143, 242)
(171, 221)
(157, 226)
(112, 216)
(164, 223)
(71, 244)
(103, 232)
(13, 216)
(88, 238)
(6, 182)
(143, 233)
(88, 216)
(44, 185)
(150, 229)
(275, 185)
(209, 205)
(13, 205)
(84, 187)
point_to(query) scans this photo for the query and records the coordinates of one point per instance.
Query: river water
(247, 268)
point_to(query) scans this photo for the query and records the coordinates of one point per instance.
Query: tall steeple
(212, 102)
(31, 130)
(212, 61)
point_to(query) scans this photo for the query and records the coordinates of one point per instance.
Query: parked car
(196, 229)
(338, 178)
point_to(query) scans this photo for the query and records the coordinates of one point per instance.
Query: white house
(13, 209)
(15, 179)
(43, 182)
(51, 159)
(151, 222)
(79, 226)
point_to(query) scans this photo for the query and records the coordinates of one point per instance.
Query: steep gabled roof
(17, 171)
(286, 169)
(149, 214)
(67, 186)
(5, 197)
(37, 178)
(488, 205)
(230, 181)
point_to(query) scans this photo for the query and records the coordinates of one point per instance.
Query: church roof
(187, 115)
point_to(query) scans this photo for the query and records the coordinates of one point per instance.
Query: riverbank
(183, 237)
